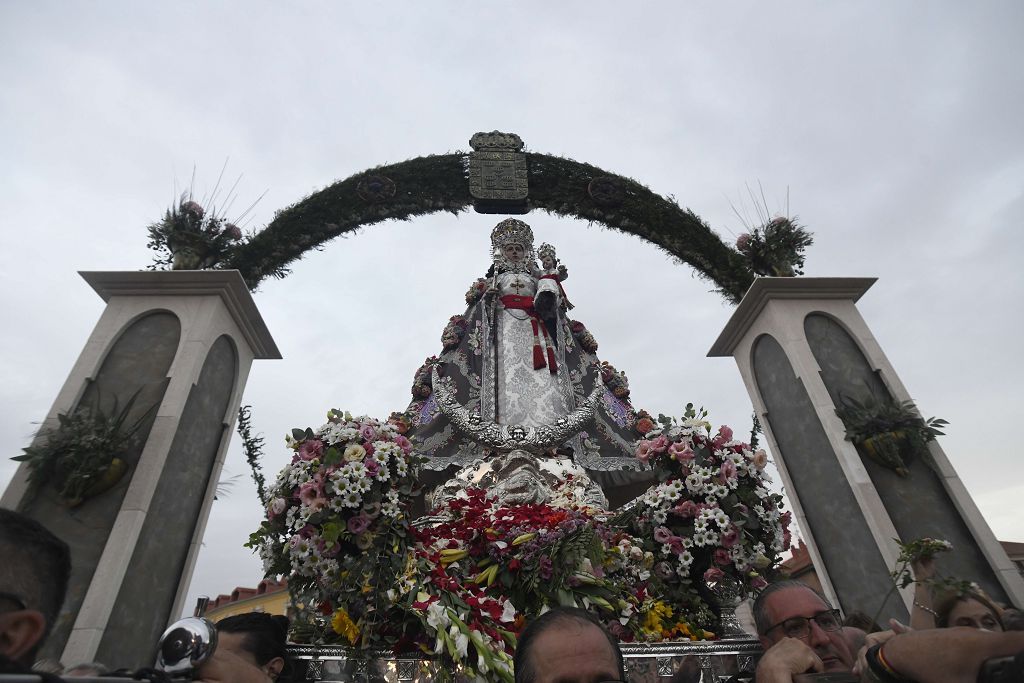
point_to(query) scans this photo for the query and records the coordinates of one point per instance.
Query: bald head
(569, 645)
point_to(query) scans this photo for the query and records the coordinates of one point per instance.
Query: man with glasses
(568, 645)
(800, 632)
(34, 572)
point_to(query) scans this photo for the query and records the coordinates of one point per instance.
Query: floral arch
(440, 183)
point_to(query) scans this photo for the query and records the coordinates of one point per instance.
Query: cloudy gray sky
(892, 128)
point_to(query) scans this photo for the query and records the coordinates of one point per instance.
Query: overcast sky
(892, 130)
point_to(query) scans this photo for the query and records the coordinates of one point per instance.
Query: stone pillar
(801, 344)
(184, 342)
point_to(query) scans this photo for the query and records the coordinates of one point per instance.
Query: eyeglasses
(11, 597)
(800, 627)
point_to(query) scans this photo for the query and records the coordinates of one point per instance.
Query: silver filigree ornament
(522, 478)
(508, 438)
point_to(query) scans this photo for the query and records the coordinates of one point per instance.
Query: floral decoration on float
(461, 584)
(712, 519)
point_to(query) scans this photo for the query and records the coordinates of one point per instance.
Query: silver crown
(512, 231)
(545, 250)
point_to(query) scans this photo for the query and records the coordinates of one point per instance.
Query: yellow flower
(487, 575)
(449, 555)
(524, 538)
(343, 625)
(652, 618)
(353, 453)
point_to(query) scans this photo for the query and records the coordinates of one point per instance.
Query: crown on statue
(512, 231)
(545, 250)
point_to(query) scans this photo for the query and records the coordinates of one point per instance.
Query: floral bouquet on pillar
(712, 521)
(338, 526)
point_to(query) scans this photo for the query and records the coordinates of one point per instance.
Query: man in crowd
(800, 632)
(567, 645)
(34, 576)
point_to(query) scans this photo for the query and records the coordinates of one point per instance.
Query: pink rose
(760, 459)
(368, 433)
(686, 509)
(308, 491)
(743, 242)
(233, 231)
(311, 450)
(662, 535)
(713, 575)
(276, 507)
(644, 451)
(730, 537)
(358, 524)
(403, 443)
(724, 436)
(728, 470)
(721, 557)
(681, 452)
(311, 495)
(372, 467)
(660, 445)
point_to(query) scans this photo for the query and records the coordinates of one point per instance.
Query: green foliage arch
(441, 183)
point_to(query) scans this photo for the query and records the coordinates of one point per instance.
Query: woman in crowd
(971, 609)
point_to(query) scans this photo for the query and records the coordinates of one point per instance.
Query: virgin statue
(515, 359)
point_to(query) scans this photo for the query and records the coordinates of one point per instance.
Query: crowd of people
(964, 637)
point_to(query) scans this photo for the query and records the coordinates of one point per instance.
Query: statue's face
(548, 262)
(513, 252)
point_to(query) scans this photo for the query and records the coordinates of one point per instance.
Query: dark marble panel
(918, 504)
(137, 361)
(142, 609)
(855, 565)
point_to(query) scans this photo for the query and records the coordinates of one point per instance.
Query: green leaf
(298, 434)
(565, 598)
(331, 531)
(332, 456)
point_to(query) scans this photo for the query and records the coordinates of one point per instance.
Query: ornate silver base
(679, 662)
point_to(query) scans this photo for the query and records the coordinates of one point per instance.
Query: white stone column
(778, 308)
(209, 305)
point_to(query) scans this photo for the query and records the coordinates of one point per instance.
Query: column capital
(227, 284)
(766, 289)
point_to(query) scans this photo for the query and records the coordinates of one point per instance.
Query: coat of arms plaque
(498, 173)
